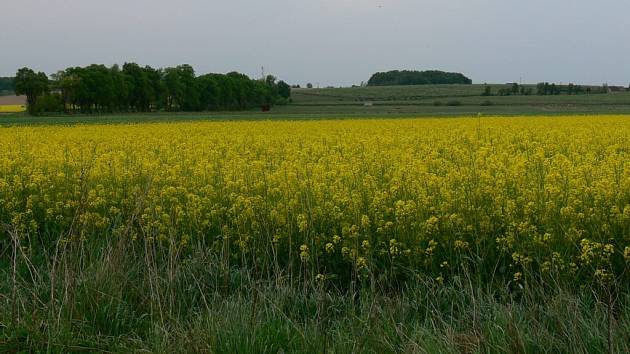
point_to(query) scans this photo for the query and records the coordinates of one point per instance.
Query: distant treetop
(6, 85)
(409, 77)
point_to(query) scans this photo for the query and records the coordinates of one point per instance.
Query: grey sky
(330, 42)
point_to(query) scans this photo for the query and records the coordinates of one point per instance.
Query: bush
(453, 103)
(486, 103)
(281, 101)
(52, 103)
(437, 103)
(487, 90)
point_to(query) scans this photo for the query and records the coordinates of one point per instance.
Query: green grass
(124, 296)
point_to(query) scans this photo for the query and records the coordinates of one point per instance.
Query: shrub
(52, 103)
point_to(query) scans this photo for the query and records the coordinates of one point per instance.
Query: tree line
(135, 88)
(6, 85)
(409, 77)
(510, 90)
(544, 89)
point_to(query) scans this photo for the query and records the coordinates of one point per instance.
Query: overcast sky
(330, 42)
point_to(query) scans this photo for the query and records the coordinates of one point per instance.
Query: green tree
(121, 91)
(180, 88)
(33, 85)
(143, 85)
(487, 90)
(174, 88)
(64, 82)
(98, 84)
(97, 88)
(284, 90)
(243, 89)
(209, 92)
(410, 77)
(49, 103)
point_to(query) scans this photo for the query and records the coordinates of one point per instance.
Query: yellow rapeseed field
(12, 108)
(506, 197)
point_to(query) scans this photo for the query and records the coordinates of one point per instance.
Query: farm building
(12, 104)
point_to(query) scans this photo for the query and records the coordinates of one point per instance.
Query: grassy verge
(316, 112)
(125, 296)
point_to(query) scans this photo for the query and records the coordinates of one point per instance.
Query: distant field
(12, 104)
(399, 93)
(462, 95)
(384, 93)
(12, 108)
(387, 102)
(312, 112)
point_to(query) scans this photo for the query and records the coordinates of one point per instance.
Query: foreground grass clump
(470, 234)
(114, 302)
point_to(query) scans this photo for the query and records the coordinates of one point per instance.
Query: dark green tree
(174, 88)
(96, 88)
(141, 83)
(409, 77)
(209, 92)
(487, 90)
(65, 83)
(284, 90)
(121, 90)
(181, 91)
(33, 85)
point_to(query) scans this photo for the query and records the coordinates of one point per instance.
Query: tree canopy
(408, 77)
(33, 85)
(135, 88)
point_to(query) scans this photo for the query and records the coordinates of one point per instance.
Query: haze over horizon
(328, 42)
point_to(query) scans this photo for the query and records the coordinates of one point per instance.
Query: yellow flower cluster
(532, 195)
